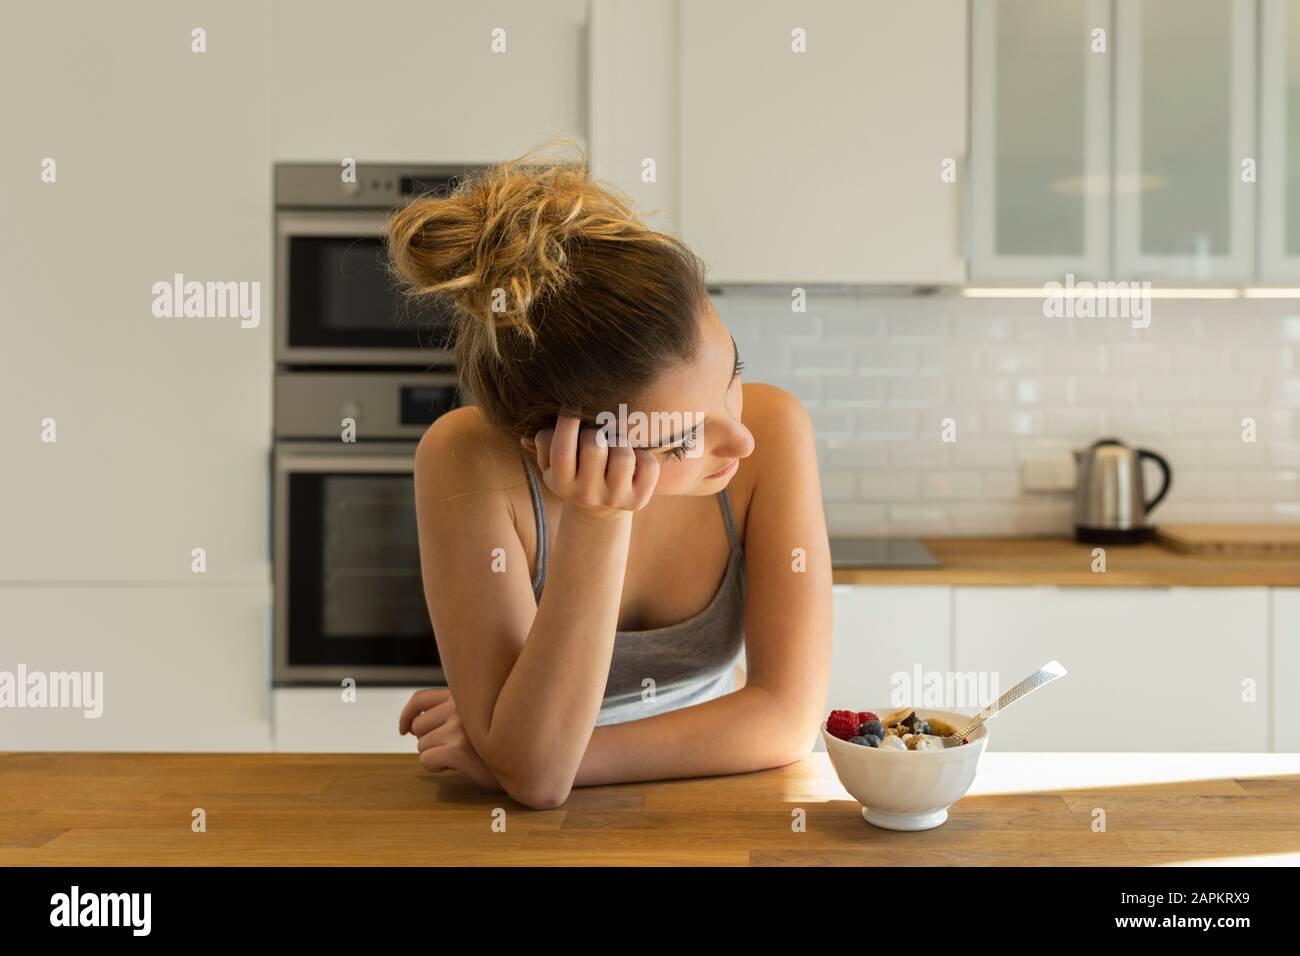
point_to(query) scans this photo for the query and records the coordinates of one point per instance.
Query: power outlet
(1048, 471)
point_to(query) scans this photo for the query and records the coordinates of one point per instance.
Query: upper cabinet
(403, 81)
(1279, 179)
(1117, 139)
(1185, 157)
(823, 143)
(1040, 138)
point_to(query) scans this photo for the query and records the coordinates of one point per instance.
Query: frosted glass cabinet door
(1040, 139)
(1184, 125)
(1279, 165)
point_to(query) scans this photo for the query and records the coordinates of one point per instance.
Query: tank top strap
(539, 521)
(724, 502)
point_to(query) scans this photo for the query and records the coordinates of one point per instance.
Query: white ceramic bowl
(907, 789)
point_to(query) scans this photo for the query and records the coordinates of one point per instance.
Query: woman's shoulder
(781, 428)
(462, 452)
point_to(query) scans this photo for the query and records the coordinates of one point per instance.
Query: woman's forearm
(548, 705)
(749, 729)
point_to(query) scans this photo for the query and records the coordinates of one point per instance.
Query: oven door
(337, 305)
(348, 595)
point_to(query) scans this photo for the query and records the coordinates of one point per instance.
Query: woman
(591, 599)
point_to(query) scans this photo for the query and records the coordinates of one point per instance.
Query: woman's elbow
(538, 796)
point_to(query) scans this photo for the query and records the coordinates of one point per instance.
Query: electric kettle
(1110, 503)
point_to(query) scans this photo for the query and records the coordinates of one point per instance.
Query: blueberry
(872, 740)
(860, 741)
(872, 727)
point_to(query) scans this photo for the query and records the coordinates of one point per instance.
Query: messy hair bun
(566, 300)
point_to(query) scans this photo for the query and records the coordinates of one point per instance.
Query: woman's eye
(679, 452)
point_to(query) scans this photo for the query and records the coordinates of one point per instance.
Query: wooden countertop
(69, 809)
(1062, 562)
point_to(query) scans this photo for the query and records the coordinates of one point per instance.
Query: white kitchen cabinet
(1286, 670)
(420, 80)
(882, 637)
(1279, 165)
(324, 720)
(825, 165)
(631, 123)
(183, 668)
(1040, 139)
(162, 165)
(1150, 669)
(1186, 72)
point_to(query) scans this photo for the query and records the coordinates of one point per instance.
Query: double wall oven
(360, 373)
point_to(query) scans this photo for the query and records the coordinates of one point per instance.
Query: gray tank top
(689, 662)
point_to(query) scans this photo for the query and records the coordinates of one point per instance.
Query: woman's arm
(528, 679)
(774, 718)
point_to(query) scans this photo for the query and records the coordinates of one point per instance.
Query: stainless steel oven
(334, 301)
(348, 595)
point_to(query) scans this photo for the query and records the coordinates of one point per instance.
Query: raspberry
(842, 724)
(865, 715)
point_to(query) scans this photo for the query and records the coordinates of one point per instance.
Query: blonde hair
(566, 300)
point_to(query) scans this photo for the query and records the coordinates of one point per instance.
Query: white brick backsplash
(1146, 357)
(973, 453)
(1103, 390)
(1286, 454)
(895, 485)
(820, 360)
(1041, 390)
(1075, 358)
(795, 327)
(1277, 486)
(1179, 389)
(840, 486)
(918, 327)
(1237, 455)
(896, 423)
(831, 423)
(889, 357)
(918, 519)
(1220, 389)
(1199, 358)
(879, 374)
(1015, 358)
(921, 391)
(1007, 421)
(952, 485)
(859, 455)
(919, 454)
(1132, 424)
(844, 519)
(1078, 423)
(857, 328)
(855, 392)
(983, 391)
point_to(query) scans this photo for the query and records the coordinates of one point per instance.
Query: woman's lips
(724, 472)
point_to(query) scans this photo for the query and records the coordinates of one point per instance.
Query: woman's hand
(580, 466)
(431, 716)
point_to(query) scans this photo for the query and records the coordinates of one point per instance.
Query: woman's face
(704, 396)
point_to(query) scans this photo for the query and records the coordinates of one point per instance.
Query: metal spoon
(1044, 675)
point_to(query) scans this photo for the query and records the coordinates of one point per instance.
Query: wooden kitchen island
(72, 809)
